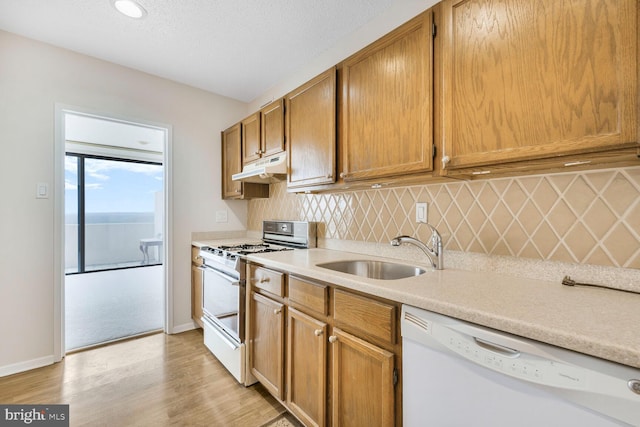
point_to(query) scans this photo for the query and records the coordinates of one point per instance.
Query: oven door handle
(233, 281)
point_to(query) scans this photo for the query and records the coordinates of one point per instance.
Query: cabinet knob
(342, 174)
(317, 332)
(277, 310)
(263, 280)
(329, 176)
(445, 160)
(333, 339)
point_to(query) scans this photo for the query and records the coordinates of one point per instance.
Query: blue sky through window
(113, 186)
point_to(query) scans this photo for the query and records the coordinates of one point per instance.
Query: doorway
(114, 229)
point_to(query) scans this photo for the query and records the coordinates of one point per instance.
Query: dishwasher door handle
(496, 348)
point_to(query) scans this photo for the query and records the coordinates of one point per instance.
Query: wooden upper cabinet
(251, 145)
(272, 117)
(524, 80)
(263, 132)
(231, 162)
(386, 104)
(311, 132)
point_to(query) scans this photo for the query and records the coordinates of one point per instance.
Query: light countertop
(225, 242)
(599, 322)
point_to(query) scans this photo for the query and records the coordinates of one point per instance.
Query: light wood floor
(157, 380)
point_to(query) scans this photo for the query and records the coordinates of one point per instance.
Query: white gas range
(224, 293)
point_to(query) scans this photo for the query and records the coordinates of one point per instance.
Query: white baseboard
(183, 328)
(26, 365)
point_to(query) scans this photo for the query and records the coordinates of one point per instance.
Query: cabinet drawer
(268, 280)
(366, 315)
(195, 251)
(309, 295)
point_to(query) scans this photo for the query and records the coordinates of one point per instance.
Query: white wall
(34, 77)
(398, 13)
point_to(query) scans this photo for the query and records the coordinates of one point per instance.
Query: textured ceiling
(236, 48)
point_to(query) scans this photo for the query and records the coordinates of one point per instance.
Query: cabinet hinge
(434, 29)
(395, 377)
(434, 151)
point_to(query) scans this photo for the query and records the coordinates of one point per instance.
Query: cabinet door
(266, 351)
(361, 382)
(531, 79)
(306, 368)
(251, 147)
(196, 294)
(311, 132)
(272, 131)
(231, 162)
(387, 104)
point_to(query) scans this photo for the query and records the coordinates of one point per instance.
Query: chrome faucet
(434, 252)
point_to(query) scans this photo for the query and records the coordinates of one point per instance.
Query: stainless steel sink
(374, 269)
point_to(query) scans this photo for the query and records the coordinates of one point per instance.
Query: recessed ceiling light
(130, 8)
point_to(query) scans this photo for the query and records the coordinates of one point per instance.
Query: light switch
(42, 190)
(421, 213)
(221, 215)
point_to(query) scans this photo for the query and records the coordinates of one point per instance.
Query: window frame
(81, 157)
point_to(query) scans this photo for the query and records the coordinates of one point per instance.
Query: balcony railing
(111, 245)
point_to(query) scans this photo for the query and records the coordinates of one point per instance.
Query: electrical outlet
(421, 213)
(221, 215)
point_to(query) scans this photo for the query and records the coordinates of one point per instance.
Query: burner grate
(245, 247)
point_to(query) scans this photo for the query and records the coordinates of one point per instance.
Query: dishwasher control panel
(489, 350)
(509, 361)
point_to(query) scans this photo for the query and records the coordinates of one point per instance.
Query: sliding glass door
(114, 213)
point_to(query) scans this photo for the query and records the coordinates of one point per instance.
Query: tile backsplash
(588, 217)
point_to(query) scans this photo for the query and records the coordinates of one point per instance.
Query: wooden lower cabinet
(362, 382)
(342, 360)
(306, 368)
(266, 351)
(196, 286)
(196, 295)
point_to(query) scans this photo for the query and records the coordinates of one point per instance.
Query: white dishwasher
(459, 374)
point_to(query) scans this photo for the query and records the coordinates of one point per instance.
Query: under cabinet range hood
(264, 171)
